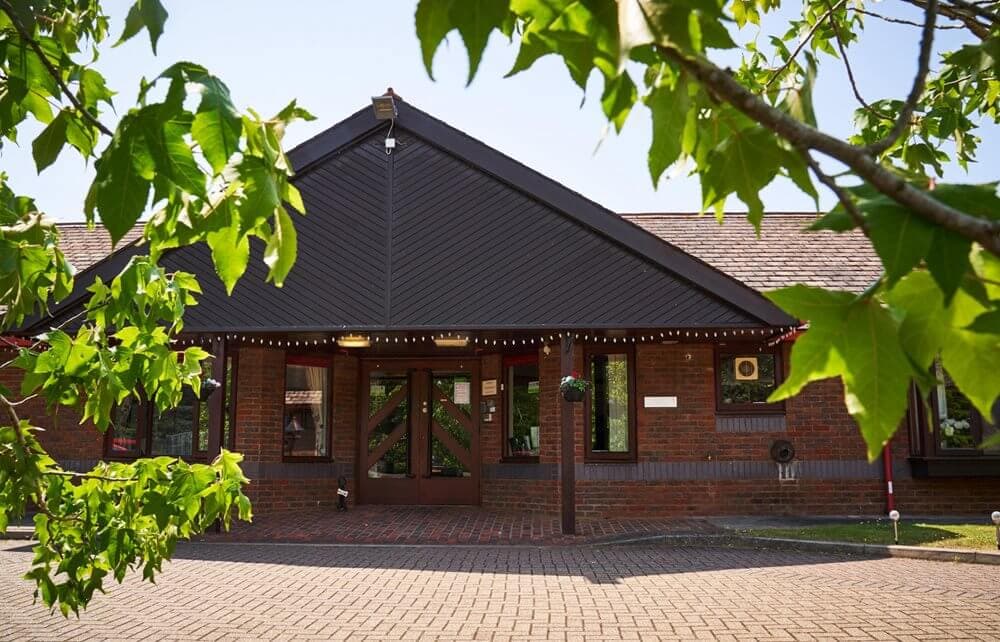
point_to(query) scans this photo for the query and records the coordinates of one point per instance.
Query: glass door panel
(388, 426)
(451, 425)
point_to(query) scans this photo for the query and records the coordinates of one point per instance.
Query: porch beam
(217, 401)
(567, 457)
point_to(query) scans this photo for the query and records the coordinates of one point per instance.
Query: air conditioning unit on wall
(745, 369)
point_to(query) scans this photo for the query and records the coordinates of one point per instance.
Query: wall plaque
(660, 402)
(489, 387)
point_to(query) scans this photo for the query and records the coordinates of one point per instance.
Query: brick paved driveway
(219, 591)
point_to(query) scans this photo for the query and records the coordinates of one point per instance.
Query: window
(140, 430)
(229, 388)
(957, 426)
(746, 377)
(124, 435)
(306, 432)
(182, 431)
(521, 407)
(610, 413)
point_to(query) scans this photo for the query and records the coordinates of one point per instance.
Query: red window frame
(748, 349)
(506, 362)
(633, 448)
(316, 361)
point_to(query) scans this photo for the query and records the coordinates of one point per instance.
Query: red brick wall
(523, 495)
(491, 429)
(531, 495)
(64, 437)
(260, 403)
(345, 411)
(817, 424)
(259, 432)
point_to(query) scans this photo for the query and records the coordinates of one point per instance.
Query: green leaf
(230, 249)
(46, 147)
(144, 14)
(670, 108)
(967, 358)
(433, 23)
(948, 260)
(80, 136)
(745, 163)
(619, 96)
(926, 323)
(260, 194)
(876, 375)
(170, 151)
(855, 339)
(217, 125)
(900, 238)
(807, 303)
(281, 249)
(987, 322)
(123, 180)
(475, 22)
(93, 88)
(798, 172)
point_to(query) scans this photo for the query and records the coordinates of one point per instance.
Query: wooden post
(567, 457)
(217, 401)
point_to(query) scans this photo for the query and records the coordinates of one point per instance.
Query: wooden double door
(419, 432)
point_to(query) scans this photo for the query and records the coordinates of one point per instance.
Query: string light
(773, 334)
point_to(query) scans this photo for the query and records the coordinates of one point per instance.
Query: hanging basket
(573, 388)
(208, 386)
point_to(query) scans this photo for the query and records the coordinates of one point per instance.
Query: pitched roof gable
(450, 233)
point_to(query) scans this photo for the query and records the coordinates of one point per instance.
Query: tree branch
(802, 136)
(923, 67)
(37, 48)
(847, 65)
(901, 21)
(977, 10)
(802, 43)
(842, 194)
(980, 30)
(76, 475)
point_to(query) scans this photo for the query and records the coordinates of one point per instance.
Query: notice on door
(463, 392)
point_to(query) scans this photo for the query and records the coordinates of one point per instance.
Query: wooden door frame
(420, 487)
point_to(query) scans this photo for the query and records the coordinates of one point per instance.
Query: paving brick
(220, 591)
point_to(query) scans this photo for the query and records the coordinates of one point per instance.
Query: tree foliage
(739, 128)
(210, 173)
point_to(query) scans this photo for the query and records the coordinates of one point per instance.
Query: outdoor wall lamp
(894, 516)
(996, 521)
(451, 342)
(353, 341)
(384, 106)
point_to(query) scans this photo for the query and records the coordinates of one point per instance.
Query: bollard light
(995, 516)
(894, 516)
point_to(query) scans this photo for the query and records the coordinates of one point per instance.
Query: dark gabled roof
(447, 232)
(786, 253)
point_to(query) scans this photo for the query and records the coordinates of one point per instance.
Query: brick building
(442, 291)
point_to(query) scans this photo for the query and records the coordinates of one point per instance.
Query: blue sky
(333, 55)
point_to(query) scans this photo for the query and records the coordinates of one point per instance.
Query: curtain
(316, 379)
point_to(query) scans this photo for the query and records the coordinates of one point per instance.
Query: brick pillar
(260, 401)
